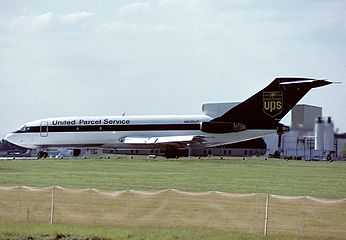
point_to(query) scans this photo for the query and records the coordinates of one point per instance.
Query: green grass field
(318, 179)
(45, 232)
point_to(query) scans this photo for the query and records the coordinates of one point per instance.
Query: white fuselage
(113, 132)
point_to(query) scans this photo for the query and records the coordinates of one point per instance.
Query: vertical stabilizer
(265, 109)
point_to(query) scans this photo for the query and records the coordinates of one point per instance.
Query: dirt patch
(58, 236)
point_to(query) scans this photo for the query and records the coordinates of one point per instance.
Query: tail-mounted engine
(222, 127)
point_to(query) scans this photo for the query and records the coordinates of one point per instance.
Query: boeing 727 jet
(257, 116)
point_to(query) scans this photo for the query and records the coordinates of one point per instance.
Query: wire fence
(256, 213)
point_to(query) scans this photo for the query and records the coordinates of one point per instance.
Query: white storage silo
(328, 135)
(319, 134)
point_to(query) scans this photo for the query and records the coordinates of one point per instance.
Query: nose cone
(14, 139)
(10, 138)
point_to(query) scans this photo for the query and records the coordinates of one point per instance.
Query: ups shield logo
(273, 103)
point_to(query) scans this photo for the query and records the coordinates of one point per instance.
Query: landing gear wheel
(171, 154)
(42, 154)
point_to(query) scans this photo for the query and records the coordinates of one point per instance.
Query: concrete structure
(328, 137)
(340, 143)
(303, 117)
(319, 134)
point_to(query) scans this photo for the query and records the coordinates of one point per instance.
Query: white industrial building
(311, 136)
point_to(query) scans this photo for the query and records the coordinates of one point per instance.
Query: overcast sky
(80, 57)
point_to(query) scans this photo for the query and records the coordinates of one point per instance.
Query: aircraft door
(44, 129)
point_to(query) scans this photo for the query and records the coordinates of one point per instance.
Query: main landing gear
(42, 155)
(176, 153)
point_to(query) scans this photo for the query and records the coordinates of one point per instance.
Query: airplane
(255, 117)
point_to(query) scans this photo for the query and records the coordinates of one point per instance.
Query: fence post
(52, 206)
(18, 204)
(28, 215)
(266, 216)
(91, 215)
(302, 210)
(256, 214)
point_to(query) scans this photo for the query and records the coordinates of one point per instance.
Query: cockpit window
(23, 129)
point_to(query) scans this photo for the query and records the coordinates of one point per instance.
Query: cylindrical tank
(328, 135)
(319, 134)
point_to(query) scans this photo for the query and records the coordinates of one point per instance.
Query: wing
(177, 141)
